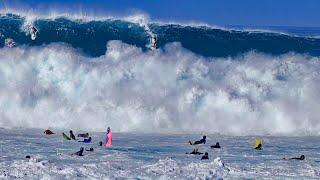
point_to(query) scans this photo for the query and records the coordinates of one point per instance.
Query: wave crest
(91, 35)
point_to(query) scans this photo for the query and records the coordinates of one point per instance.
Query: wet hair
(100, 143)
(28, 157)
(206, 154)
(302, 157)
(204, 137)
(70, 131)
(217, 143)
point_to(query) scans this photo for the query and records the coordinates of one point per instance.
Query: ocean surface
(156, 156)
(232, 84)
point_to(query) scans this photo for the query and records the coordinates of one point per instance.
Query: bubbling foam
(170, 90)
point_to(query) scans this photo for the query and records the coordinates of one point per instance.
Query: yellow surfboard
(258, 142)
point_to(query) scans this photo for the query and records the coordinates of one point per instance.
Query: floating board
(65, 136)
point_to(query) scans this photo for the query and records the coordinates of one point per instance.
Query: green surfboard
(66, 137)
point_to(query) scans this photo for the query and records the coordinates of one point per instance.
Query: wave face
(92, 74)
(91, 36)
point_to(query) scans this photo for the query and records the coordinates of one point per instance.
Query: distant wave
(91, 35)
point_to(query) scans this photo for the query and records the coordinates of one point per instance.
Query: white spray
(171, 90)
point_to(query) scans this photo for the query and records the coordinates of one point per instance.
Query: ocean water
(156, 156)
(90, 36)
(87, 73)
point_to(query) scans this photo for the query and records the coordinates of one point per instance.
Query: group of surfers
(86, 139)
(202, 141)
(108, 143)
(217, 146)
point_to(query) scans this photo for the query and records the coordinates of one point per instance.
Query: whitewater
(227, 83)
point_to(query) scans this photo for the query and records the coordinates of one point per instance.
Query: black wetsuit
(216, 146)
(259, 147)
(79, 153)
(298, 158)
(195, 152)
(72, 135)
(83, 135)
(202, 141)
(205, 156)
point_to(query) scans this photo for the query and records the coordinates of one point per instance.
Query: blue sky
(216, 12)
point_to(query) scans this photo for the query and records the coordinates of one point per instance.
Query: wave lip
(90, 35)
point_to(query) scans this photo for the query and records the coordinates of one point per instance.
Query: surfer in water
(201, 141)
(195, 151)
(108, 138)
(259, 147)
(258, 144)
(205, 156)
(216, 146)
(72, 135)
(33, 32)
(153, 43)
(78, 153)
(302, 157)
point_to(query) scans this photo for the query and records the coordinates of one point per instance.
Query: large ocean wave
(93, 73)
(91, 35)
(167, 90)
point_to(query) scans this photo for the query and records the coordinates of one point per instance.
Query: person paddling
(195, 152)
(216, 146)
(302, 157)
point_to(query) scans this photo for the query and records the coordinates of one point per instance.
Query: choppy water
(149, 156)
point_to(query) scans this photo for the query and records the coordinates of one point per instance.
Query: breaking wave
(90, 35)
(171, 89)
